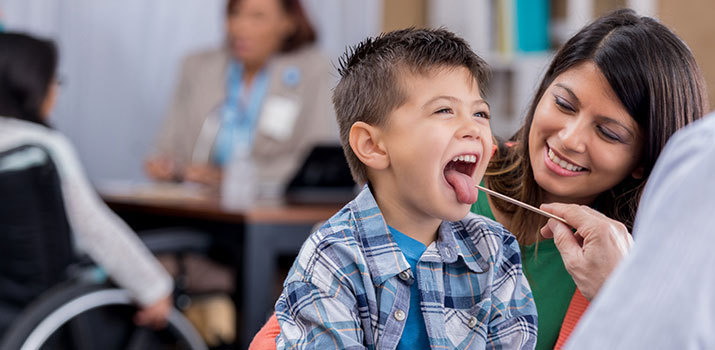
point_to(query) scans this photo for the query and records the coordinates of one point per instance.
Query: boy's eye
(484, 115)
(444, 110)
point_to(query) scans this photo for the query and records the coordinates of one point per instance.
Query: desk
(270, 229)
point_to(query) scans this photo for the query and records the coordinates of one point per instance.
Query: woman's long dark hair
(27, 68)
(654, 75)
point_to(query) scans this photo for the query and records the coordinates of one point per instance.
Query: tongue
(463, 186)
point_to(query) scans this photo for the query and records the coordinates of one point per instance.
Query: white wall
(120, 60)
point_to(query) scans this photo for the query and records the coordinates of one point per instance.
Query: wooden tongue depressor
(521, 204)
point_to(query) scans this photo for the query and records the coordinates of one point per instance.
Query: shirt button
(404, 276)
(472, 322)
(399, 315)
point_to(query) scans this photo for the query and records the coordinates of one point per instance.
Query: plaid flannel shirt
(349, 287)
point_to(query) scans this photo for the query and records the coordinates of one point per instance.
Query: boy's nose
(469, 129)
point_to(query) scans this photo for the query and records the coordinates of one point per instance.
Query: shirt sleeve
(661, 295)
(318, 306)
(102, 235)
(513, 318)
(313, 318)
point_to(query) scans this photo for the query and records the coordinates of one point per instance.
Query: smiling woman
(608, 103)
(582, 141)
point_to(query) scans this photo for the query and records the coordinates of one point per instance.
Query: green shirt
(551, 284)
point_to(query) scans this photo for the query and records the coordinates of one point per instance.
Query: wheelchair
(46, 300)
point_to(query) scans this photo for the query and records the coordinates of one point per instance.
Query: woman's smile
(573, 153)
(560, 165)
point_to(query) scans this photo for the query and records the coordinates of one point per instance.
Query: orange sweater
(577, 307)
(265, 339)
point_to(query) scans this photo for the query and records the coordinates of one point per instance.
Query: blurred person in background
(28, 89)
(265, 93)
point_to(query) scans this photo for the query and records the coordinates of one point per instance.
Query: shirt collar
(384, 258)
(453, 242)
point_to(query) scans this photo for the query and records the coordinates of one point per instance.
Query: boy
(403, 265)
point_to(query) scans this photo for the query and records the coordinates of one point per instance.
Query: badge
(278, 117)
(291, 76)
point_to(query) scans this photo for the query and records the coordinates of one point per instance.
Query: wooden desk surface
(208, 207)
(270, 229)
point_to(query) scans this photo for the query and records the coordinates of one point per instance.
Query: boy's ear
(365, 141)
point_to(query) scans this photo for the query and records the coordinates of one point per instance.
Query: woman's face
(582, 140)
(48, 104)
(256, 30)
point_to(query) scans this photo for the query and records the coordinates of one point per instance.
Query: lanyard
(239, 113)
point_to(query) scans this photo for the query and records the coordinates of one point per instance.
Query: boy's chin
(456, 215)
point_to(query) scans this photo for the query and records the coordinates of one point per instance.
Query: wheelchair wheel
(69, 312)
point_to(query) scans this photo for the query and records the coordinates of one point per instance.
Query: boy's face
(444, 118)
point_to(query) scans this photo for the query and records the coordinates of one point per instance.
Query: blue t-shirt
(414, 335)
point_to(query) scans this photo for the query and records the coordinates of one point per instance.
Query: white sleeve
(103, 235)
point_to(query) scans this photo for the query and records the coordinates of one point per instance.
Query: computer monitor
(324, 177)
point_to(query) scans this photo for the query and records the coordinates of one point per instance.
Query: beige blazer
(193, 120)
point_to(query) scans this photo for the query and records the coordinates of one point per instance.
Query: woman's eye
(484, 115)
(608, 134)
(563, 104)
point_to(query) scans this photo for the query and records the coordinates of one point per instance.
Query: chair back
(35, 241)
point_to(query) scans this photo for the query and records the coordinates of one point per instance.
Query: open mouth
(458, 173)
(465, 164)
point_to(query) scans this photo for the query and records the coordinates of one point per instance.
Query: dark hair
(27, 67)
(369, 86)
(655, 77)
(304, 33)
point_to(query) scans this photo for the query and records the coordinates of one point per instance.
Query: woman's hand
(203, 174)
(161, 169)
(591, 254)
(155, 315)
